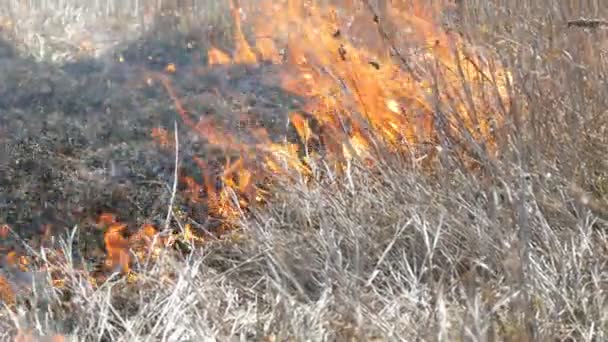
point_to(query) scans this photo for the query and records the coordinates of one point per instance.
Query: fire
(243, 52)
(28, 336)
(123, 250)
(4, 231)
(217, 57)
(161, 136)
(117, 248)
(357, 96)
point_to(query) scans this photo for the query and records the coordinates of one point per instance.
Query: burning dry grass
(497, 235)
(357, 99)
(391, 255)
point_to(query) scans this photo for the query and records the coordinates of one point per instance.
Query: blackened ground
(76, 138)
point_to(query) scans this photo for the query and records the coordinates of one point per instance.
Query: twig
(175, 175)
(588, 23)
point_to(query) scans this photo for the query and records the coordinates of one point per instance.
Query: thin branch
(588, 23)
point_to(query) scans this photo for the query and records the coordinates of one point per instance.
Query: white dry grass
(60, 31)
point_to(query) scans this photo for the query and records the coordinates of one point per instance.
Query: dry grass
(515, 254)
(61, 31)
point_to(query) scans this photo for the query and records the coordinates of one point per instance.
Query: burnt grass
(76, 138)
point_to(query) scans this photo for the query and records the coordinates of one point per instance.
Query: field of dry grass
(513, 249)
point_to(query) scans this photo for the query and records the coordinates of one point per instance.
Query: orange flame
(162, 137)
(7, 294)
(217, 57)
(27, 336)
(117, 248)
(357, 96)
(243, 52)
(4, 231)
(121, 250)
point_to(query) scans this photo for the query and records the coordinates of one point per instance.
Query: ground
(78, 135)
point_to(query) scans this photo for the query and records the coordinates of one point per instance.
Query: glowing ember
(27, 336)
(7, 294)
(4, 231)
(106, 219)
(161, 136)
(171, 68)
